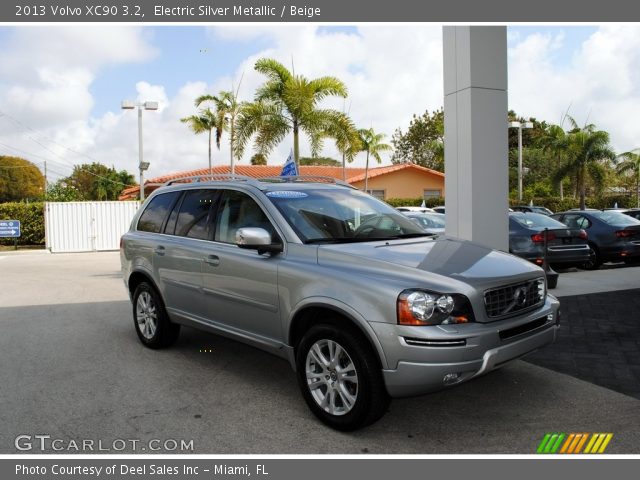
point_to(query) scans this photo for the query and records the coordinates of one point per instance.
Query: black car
(633, 212)
(532, 209)
(613, 236)
(565, 246)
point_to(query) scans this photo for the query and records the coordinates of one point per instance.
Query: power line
(15, 121)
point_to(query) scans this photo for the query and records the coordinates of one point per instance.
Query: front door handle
(213, 260)
(159, 250)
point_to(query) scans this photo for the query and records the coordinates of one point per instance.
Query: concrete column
(475, 130)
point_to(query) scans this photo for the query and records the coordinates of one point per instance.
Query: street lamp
(520, 126)
(142, 165)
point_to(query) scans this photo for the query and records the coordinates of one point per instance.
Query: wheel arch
(314, 311)
(136, 278)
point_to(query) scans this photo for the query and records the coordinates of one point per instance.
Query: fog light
(451, 378)
(550, 317)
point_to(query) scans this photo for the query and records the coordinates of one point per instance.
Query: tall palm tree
(288, 103)
(228, 108)
(371, 142)
(206, 121)
(631, 164)
(587, 149)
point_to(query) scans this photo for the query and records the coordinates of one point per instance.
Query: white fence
(86, 226)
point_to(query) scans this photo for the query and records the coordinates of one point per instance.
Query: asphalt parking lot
(73, 368)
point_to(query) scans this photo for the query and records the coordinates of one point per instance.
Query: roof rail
(208, 178)
(304, 178)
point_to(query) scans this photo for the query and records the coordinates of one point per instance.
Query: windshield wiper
(415, 235)
(332, 240)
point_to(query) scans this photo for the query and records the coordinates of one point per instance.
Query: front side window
(238, 210)
(155, 213)
(341, 215)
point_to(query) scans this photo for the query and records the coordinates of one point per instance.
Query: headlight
(420, 307)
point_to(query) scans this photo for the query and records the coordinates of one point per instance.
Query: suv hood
(449, 257)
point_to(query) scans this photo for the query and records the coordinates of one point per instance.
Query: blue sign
(9, 228)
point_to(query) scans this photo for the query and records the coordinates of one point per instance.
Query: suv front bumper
(425, 369)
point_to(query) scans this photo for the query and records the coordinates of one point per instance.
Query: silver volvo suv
(359, 299)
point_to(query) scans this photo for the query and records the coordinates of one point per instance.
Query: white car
(415, 209)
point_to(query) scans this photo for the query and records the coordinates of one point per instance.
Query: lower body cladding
(428, 359)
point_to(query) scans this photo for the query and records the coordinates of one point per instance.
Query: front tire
(340, 378)
(150, 318)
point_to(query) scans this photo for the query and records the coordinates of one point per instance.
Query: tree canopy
(20, 180)
(96, 181)
(288, 103)
(422, 143)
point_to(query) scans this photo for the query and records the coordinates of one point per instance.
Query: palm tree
(206, 121)
(228, 108)
(371, 142)
(288, 103)
(631, 164)
(347, 139)
(586, 150)
(555, 142)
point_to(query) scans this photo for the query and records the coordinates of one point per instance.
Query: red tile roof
(374, 172)
(259, 171)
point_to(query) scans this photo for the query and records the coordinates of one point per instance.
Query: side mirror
(257, 239)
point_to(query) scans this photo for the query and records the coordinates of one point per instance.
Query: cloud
(600, 83)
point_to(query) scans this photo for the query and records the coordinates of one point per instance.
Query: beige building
(395, 181)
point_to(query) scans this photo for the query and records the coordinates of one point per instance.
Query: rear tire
(150, 318)
(595, 262)
(340, 378)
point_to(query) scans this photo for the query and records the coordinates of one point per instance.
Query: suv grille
(511, 299)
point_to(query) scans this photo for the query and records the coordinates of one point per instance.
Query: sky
(61, 86)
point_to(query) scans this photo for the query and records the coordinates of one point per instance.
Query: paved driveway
(73, 368)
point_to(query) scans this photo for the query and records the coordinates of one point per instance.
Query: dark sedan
(633, 212)
(613, 236)
(565, 246)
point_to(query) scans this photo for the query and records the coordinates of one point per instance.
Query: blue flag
(290, 168)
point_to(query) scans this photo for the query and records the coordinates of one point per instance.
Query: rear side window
(154, 215)
(193, 219)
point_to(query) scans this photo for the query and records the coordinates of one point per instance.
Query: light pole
(142, 165)
(520, 126)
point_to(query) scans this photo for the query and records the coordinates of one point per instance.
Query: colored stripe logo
(586, 443)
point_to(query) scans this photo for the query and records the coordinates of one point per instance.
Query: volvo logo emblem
(520, 296)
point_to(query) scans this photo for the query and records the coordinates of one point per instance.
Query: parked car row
(580, 238)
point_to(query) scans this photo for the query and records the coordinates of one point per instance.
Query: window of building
(379, 194)
(432, 193)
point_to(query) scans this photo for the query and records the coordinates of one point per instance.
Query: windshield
(615, 218)
(536, 220)
(340, 215)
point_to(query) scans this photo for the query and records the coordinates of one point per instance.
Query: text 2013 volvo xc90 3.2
(358, 298)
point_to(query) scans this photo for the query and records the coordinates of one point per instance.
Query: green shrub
(31, 216)
(415, 202)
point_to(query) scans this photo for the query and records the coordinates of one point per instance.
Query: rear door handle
(212, 260)
(159, 250)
